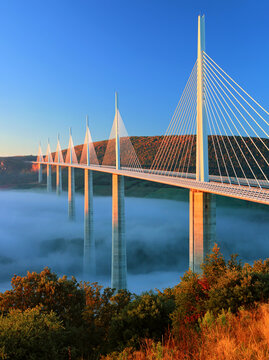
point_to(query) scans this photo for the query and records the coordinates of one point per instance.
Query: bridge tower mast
(40, 174)
(117, 133)
(119, 261)
(59, 187)
(71, 182)
(49, 183)
(202, 231)
(202, 140)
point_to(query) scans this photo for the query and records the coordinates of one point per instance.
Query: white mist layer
(35, 232)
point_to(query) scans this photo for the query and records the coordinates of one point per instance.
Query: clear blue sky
(63, 59)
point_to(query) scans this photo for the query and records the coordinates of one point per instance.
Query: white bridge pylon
(88, 154)
(120, 152)
(71, 156)
(217, 143)
(40, 160)
(58, 158)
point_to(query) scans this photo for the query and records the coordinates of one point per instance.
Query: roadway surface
(247, 190)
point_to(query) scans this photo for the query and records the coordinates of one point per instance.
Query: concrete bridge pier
(119, 259)
(58, 179)
(40, 173)
(49, 186)
(202, 231)
(71, 193)
(89, 262)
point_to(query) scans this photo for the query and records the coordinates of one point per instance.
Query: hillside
(235, 152)
(18, 169)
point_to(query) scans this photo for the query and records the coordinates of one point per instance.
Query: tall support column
(89, 263)
(49, 186)
(119, 259)
(202, 232)
(71, 193)
(59, 187)
(202, 222)
(40, 173)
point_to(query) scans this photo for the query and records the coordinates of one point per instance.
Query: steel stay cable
(228, 137)
(192, 120)
(112, 136)
(187, 146)
(133, 160)
(243, 115)
(208, 100)
(178, 143)
(213, 103)
(212, 69)
(193, 136)
(177, 127)
(241, 126)
(169, 131)
(173, 121)
(184, 130)
(244, 127)
(211, 83)
(183, 96)
(181, 151)
(212, 136)
(236, 83)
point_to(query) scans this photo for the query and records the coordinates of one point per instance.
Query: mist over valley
(35, 233)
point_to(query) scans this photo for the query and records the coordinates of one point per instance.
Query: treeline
(237, 156)
(47, 317)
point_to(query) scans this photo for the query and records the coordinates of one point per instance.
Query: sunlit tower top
(201, 138)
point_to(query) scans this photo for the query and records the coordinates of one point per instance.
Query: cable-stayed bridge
(217, 143)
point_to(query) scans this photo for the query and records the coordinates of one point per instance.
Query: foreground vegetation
(228, 336)
(221, 314)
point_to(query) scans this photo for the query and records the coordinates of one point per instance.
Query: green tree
(147, 316)
(62, 296)
(31, 335)
(214, 265)
(101, 307)
(45, 289)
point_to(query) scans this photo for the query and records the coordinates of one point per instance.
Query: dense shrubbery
(227, 336)
(45, 317)
(30, 334)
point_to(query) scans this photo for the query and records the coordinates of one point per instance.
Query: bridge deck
(242, 192)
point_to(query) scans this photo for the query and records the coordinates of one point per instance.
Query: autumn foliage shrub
(222, 285)
(84, 321)
(226, 336)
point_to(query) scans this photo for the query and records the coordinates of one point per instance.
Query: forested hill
(233, 153)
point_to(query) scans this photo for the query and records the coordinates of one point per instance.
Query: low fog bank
(35, 232)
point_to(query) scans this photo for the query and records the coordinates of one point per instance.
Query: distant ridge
(146, 147)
